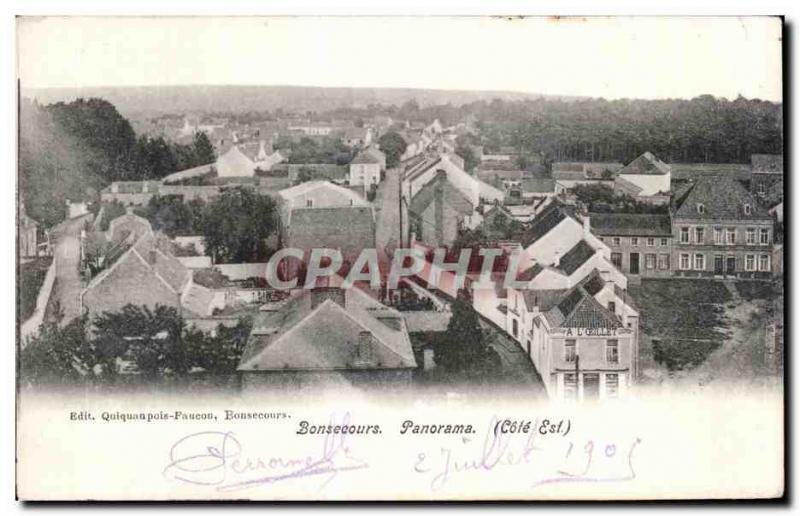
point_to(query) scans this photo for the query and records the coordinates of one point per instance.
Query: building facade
(719, 230)
(640, 244)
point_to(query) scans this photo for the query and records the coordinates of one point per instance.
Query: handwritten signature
(499, 450)
(217, 459)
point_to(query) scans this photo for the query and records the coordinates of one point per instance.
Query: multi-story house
(720, 230)
(641, 244)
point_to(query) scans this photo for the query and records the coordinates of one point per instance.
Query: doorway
(591, 386)
(718, 267)
(730, 265)
(634, 263)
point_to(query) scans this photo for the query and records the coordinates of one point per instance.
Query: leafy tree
(462, 348)
(393, 145)
(219, 353)
(468, 155)
(603, 199)
(150, 339)
(235, 225)
(57, 353)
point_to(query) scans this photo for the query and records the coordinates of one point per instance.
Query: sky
(598, 57)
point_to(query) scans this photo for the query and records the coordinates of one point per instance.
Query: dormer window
(747, 209)
(701, 208)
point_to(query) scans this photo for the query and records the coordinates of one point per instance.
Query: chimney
(557, 258)
(115, 187)
(438, 210)
(364, 348)
(587, 226)
(129, 210)
(151, 257)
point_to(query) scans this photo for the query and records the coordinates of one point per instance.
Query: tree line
(70, 151)
(152, 342)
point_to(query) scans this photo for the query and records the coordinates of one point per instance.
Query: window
(684, 235)
(763, 263)
(309, 203)
(612, 385)
(699, 235)
(616, 259)
(718, 236)
(634, 240)
(515, 327)
(750, 236)
(684, 261)
(651, 242)
(764, 237)
(750, 262)
(616, 240)
(569, 350)
(761, 189)
(747, 209)
(664, 241)
(612, 307)
(612, 351)
(731, 232)
(701, 208)
(699, 262)
(663, 262)
(650, 261)
(570, 386)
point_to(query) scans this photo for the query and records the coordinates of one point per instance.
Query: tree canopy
(393, 145)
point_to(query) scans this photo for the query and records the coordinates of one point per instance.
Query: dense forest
(704, 129)
(71, 151)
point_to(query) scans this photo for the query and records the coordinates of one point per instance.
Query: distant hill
(154, 100)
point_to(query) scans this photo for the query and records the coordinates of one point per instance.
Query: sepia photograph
(431, 258)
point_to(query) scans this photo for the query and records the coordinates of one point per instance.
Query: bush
(682, 354)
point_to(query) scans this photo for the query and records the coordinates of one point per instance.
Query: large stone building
(720, 230)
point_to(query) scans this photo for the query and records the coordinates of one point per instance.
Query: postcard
(400, 258)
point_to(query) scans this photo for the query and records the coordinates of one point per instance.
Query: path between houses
(67, 256)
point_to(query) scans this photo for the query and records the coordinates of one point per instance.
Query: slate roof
(324, 332)
(576, 257)
(721, 198)
(686, 171)
(549, 218)
(422, 321)
(767, 163)
(646, 164)
(578, 309)
(543, 299)
(538, 185)
(321, 225)
(631, 224)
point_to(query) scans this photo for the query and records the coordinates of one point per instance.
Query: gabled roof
(345, 195)
(578, 309)
(366, 158)
(721, 199)
(646, 164)
(767, 163)
(631, 224)
(549, 218)
(319, 330)
(451, 195)
(576, 257)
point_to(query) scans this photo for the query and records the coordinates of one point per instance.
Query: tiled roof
(646, 164)
(630, 224)
(686, 171)
(576, 257)
(767, 163)
(542, 299)
(578, 309)
(720, 198)
(325, 333)
(544, 222)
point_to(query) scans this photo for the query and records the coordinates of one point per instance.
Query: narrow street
(67, 255)
(387, 214)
